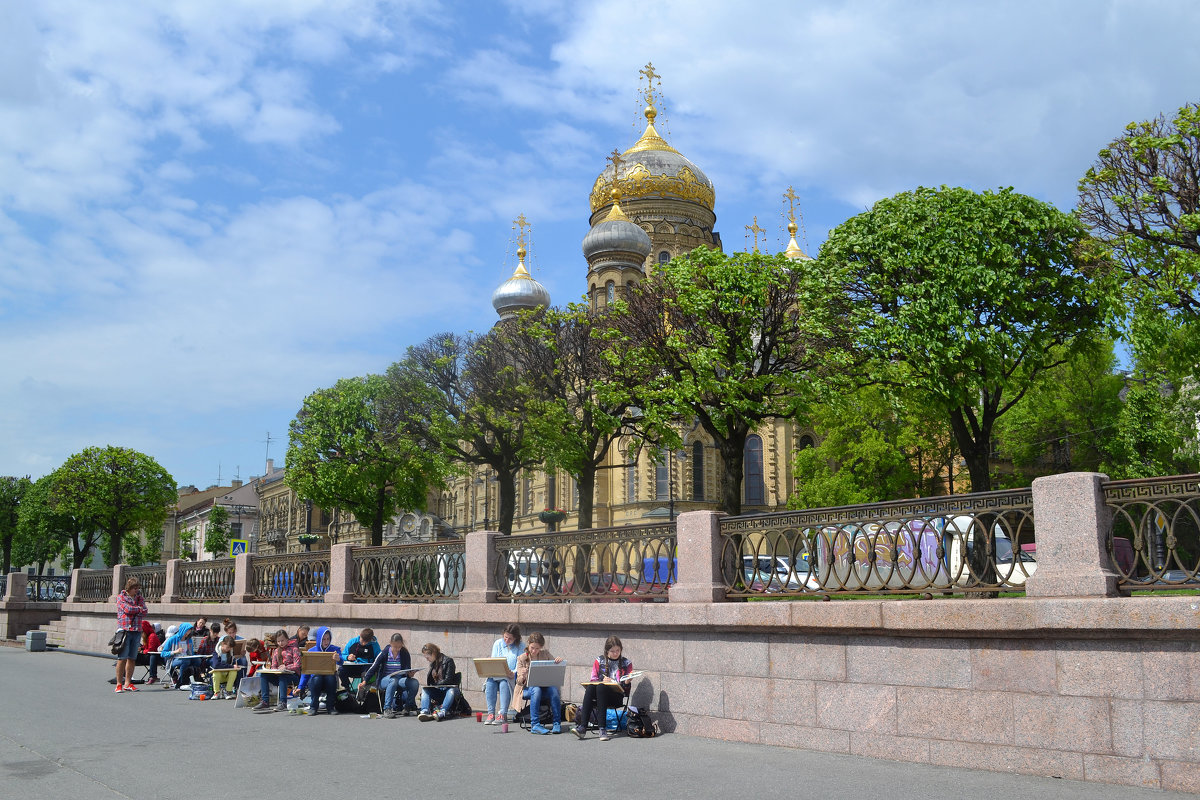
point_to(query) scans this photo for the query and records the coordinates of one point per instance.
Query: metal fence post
(1072, 522)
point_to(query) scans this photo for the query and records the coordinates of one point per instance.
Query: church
(648, 205)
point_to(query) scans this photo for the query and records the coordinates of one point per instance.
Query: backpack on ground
(641, 725)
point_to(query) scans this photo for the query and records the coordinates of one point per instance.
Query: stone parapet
(1072, 524)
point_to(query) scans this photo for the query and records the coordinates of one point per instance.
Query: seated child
(441, 684)
(318, 685)
(285, 656)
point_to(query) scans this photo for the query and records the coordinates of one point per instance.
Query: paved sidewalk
(65, 733)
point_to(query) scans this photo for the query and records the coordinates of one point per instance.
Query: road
(64, 733)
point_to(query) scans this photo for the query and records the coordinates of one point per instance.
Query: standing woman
(609, 682)
(131, 609)
(508, 647)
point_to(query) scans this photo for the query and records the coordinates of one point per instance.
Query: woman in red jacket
(131, 608)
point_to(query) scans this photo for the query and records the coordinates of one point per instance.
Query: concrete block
(613, 616)
(836, 616)
(729, 730)
(894, 748)
(1099, 669)
(1172, 730)
(701, 695)
(961, 715)
(746, 698)
(738, 655)
(647, 650)
(531, 616)
(909, 662)
(1079, 724)
(791, 702)
(1002, 758)
(1123, 771)
(1180, 776)
(805, 738)
(958, 616)
(856, 707)
(1025, 666)
(743, 616)
(698, 539)
(35, 641)
(1171, 671)
(1073, 522)
(814, 658)
(1128, 726)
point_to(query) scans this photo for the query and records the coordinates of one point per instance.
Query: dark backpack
(641, 725)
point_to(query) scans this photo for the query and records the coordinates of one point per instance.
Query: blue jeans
(155, 660)
(322, 684)
(552, 695)
(492, 687)
(265, 682)
(407, 686)
(433, 693)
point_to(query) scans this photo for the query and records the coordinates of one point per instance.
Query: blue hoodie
(318, 636)
(374, 649)
(181, 636)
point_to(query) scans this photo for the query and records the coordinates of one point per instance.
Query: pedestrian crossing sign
(238, 546)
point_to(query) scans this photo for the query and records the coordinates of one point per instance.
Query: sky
(209, 210)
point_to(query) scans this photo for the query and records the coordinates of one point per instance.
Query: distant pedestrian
(131, 609)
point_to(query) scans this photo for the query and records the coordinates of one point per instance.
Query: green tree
(1142, 197)
(876, 445)
(584, 407)
(216, 531)
(1151, 435)
(1066, 419)
(12, 491)
(730, 340)
(469, 397)
(115, 490)
(347, 450)
(45, 533)
(966, 298)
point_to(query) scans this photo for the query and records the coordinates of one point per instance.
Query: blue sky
(210, 209)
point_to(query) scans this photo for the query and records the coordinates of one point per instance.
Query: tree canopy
(966, 298)
(469, 397)
(216, 530)
(729, 340)
(12, 492)
(114, 490)
(347, 450)
(1142, 197)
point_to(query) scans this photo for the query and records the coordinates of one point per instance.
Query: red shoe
(129, 687)
(120, 688)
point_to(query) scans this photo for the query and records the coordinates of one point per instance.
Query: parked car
(775, 575)
(612, 587)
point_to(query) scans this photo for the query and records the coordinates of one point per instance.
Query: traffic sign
(238, 546)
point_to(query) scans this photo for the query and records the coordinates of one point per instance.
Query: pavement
(64, 733)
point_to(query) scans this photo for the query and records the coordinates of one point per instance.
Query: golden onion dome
(653, 169)
(793, 250)
(520, 292)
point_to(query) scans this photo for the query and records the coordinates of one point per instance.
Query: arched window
(527, 494)
(631, 480)
(752, 455)
(806, 442)
(610, 290)
(664, 257)
(574, 494)
(551, 491)
(697, 470)
(662, 485)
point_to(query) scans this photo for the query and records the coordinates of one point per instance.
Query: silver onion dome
(520, 292)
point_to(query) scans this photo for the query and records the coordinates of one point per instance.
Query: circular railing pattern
(291, 576)
(153, 580)
(409, 572)
(1154, 540)
(628, 564)
(95, 586)
(968, 543)
(206, 580)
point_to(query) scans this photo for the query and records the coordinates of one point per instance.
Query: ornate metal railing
(959, 543)
(153, 580)
(206, 580)
(1154, 543)
(630, 564)
(48, 588)
(95, 586)
(409, 572)
(291, 576)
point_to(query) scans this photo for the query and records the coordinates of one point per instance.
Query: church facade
(649, 205)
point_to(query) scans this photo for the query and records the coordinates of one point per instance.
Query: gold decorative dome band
(637, 182)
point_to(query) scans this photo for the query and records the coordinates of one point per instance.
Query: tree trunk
(114, 549)
(7, 556)
(377, 522)
(732, 451)
(587, 495)
(974, 450)
(508, 501)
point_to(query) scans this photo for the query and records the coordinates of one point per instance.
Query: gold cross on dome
(651, 76)
(520, 224)
(755, 230)
(615, 159)
(791, 197)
